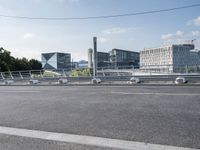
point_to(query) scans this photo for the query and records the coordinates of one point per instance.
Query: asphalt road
(21, 143)
(168, 115)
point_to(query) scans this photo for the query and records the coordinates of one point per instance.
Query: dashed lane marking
(174, 94)
(16, 91)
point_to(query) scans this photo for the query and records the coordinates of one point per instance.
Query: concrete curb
(108, 85)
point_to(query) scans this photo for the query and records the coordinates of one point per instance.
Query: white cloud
(26, 52)
(117, 30)
(167, 36)
(197, 21)
(103, 40)
(179, 33)
(181, 37)
(114, 31)
(28, 35)
(196, 33)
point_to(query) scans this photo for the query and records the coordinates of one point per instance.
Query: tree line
(10, 63)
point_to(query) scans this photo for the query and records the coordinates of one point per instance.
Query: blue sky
(29, 38)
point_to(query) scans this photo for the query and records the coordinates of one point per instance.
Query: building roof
(124, 50)
(167, 46)
(103, 52)
(57, 53)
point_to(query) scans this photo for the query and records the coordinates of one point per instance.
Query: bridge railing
(126, 71)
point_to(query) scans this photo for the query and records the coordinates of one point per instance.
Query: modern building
(82, 64)
(120, 58)
(169, 58)
(102, 59)
(56, 60)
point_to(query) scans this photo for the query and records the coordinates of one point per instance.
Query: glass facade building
(120, 58)
(102, 59)
(51, 61)
(115, 58)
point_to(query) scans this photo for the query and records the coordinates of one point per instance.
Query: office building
(120, 58)
(169, 58)
(102, 59)
(56, 60)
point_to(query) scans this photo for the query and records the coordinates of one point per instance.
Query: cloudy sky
(29, 38)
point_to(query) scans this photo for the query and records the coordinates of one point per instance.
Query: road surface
(164, 115)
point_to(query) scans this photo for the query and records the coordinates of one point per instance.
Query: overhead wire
(102, 16)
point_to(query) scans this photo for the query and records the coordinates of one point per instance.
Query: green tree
(5, 60)
(9, 63)
(81, 73)
(21, 64)
(35, 64)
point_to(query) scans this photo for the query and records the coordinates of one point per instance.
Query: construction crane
(192, 41)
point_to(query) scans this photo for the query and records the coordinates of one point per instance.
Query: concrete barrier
(134, 80)
(180, 80)
(8, 82)
(62, 81)
(34, 81)
(96, 81)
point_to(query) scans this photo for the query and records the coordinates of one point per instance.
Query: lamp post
(94, 57)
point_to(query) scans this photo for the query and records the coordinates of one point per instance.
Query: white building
(169, 58)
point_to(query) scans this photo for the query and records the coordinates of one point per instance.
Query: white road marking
(16, 91)
(87, 140)
(174, 94)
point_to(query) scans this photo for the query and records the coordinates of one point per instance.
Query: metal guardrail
(32, 74)
(105, 76)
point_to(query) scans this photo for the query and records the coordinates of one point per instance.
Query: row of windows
(156, 57)
(154, 64)
(160, 50)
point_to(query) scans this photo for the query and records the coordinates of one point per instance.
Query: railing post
(41, 75)
(11, 75)
(133, 70)
(186, 69)
(20, 75)
(2, 76)
(90, 73)
(104, 73)
(64, 74)
(30, 74)
(149, 70)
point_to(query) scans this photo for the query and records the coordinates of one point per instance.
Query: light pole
(95, 57)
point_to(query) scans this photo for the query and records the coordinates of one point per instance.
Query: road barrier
(120, 76)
